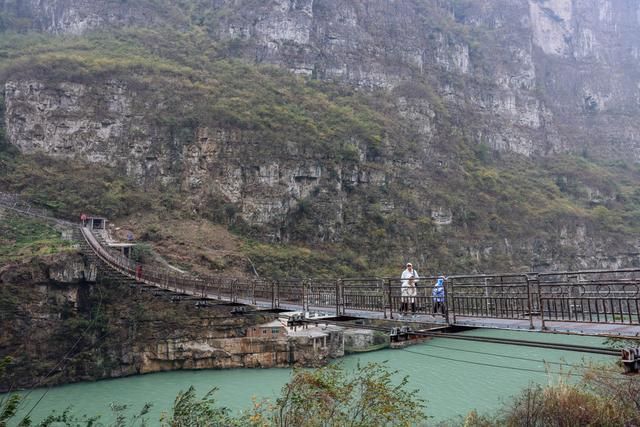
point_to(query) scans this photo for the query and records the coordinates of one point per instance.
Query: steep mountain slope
(465, 135)
(538, 76)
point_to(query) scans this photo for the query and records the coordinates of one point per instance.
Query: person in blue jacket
(437, 295)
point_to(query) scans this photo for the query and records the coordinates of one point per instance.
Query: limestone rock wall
(114, 124)
(48, 311)
(531, 76)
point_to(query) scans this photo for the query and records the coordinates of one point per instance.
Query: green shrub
(22, 237)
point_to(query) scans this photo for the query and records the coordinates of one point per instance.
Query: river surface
(453, 376)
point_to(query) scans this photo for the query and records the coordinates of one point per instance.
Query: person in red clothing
(83, 218)
(139, 272)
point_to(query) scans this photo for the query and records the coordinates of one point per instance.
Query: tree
(328, 397)
(9, 404)
(324, 397)
(189, 411)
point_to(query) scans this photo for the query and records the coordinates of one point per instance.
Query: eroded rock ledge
(58, 323)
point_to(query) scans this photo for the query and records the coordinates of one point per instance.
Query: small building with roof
(272, 329)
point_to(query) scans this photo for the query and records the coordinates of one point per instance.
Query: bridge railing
(323, 294)
(119, 262)
(602, 296)
(290, 292)
(418, 300)
(502, 296)
(163, 278)
(595, 296)
(366, 294)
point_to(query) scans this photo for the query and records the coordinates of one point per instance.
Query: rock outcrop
(531, 77)
(59, 327)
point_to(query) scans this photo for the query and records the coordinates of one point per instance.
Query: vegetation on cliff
(22, 237)
(460, 208)
(205, 87)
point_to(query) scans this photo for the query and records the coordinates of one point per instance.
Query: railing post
(338, 288)
(450, 300)
(234, 290)
(529, 302)
(387, 283)
(543, 326)
(304, 296)
(486, 298)
(382, 295)
(448, 295)
(253, 292)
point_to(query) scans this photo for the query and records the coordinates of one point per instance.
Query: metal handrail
(382, 293)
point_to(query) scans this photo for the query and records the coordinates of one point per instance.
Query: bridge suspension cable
(508, 341)
(491, 365)
(506, 356)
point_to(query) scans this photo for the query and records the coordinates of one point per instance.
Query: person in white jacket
(408, 291)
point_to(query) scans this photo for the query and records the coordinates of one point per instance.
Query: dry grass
(196, 245)
(604, 397)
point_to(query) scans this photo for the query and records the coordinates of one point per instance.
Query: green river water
(440, 370)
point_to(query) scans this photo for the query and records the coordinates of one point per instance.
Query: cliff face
(116, 123)
(530, 76)
(59, 325)
(533, 78)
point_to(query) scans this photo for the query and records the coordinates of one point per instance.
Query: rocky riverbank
(61, 324)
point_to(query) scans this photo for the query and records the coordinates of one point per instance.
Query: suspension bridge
(593, 302)
(598, 302)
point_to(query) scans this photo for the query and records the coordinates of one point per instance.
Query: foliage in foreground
(329, 396)
(8, 405)
(188, 410)
(324, 397)
(603, 398)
